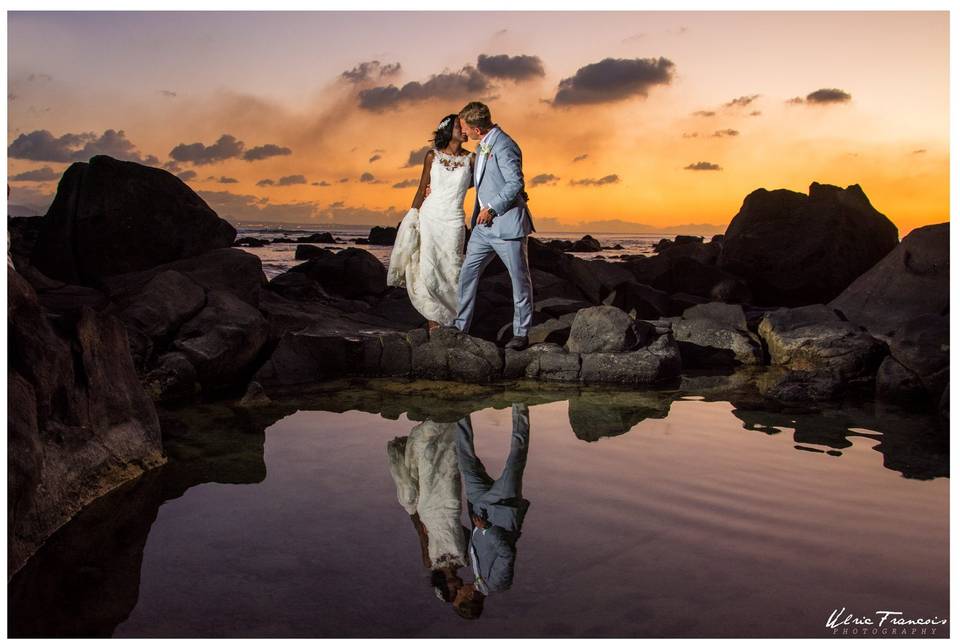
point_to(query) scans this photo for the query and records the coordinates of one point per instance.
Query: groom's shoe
(517, 342)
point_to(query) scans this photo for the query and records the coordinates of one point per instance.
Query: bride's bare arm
(424, 181)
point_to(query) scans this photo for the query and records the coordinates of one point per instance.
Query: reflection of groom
(500, 224)
(497, 509)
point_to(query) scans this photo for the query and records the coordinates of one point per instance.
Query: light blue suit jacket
(500, 187)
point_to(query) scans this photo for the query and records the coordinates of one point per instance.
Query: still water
(662, 513)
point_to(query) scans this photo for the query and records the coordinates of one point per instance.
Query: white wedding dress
(428, 251)
(425, 469)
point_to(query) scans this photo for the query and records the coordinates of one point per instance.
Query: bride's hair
(444, 131)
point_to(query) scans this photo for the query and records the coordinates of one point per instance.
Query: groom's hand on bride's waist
(485, 217)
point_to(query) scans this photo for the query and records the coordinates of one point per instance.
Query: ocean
(279, 257)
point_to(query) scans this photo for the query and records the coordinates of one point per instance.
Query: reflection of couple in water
(427, 467)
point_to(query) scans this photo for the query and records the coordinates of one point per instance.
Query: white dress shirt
(482, 159)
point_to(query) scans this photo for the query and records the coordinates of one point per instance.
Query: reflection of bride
(425, 469)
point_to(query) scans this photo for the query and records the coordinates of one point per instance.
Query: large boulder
(350, 273)
(383, 236)
(918, 366)
(79, 421)
(912, 280)
(657, 362)
(795, 249)
(813, 339)
(449, 354)
(606, 329)
(716, 334)
(223, 340)
(112, 216)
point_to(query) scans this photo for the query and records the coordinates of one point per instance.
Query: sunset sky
(663, 119)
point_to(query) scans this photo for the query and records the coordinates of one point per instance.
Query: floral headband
(444, 122)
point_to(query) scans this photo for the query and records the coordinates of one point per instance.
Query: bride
(428, 251)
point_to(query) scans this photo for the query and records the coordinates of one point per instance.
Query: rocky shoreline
(130, 293)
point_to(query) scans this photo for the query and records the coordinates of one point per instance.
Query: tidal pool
(657, 513)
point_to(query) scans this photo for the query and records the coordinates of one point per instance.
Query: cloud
(42, 146)
(822, 96)
(725, 133)
(417, 156)
(755, 113)
(919, 151)
(43, 174)
(705, 114)
(690, 135)
(510, 67)
(167, 93)
(39, 77)
(187, 175)
(703, 166)
(284, 181)
(342, 180)
(224, 148)
(375, 157)
(226, 180)
(596, 182)
(613, 79)
(320, 183)
(406, 184)
(265, 151)
(543, 179)
(368, 178)
(465, 83)
(742, 101)
(367, 70)
(581, 157)
(637, 37)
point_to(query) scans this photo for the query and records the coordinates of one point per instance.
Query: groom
(500, 224)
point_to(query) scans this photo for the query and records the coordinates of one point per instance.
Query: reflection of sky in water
(696, 512)
(684, 525)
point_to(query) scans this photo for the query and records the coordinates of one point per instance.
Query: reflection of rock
(79, 424)
(716, 334)
(112, 216)
(797, 249)
(912, 280)
(598, 415)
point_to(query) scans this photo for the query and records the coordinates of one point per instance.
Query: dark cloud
(43, 174)
(368, 178)
(342, 180)
(581, 157)
(690, 135)
(703, 166)
(417, 156)
(226, 180)
(375, 157)
(725, 133)
(467, 82)
(406, 184)
(919, 151)
(167, 93)
(284, 181)
(510, 67)
(542, 179)
(613, 79)
(705, 114)
(742, 101)
(755, 113)
(822, 96)
(368, 70)
(187, 175)
(265, 151)
(42, 146)
(224, 148)
(321, 183)
(596, 182)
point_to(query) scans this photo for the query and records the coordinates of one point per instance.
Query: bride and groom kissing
(427, 257)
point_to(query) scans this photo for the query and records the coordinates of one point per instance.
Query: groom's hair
(477, 114)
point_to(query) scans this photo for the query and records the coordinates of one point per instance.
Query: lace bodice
(450, 177)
